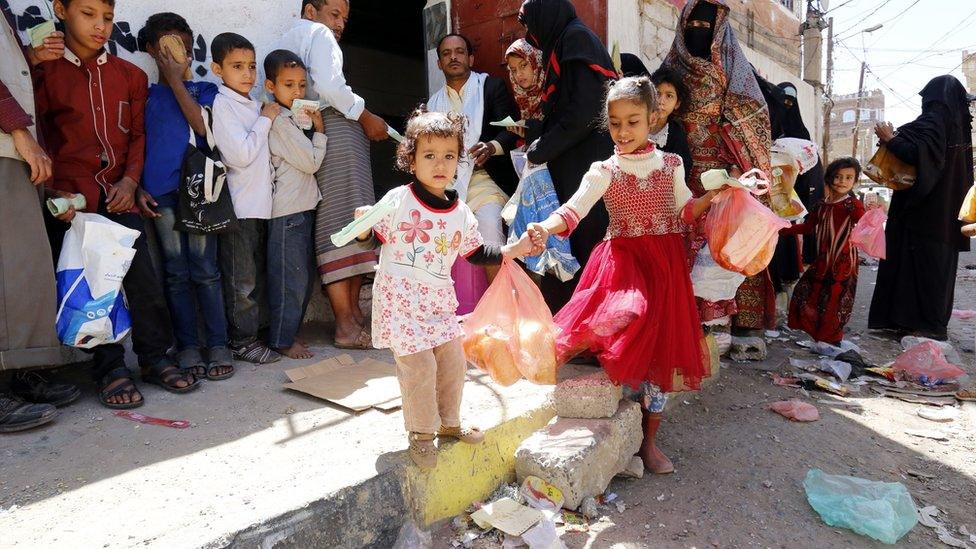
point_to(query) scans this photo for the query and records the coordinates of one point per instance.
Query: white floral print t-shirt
(414, 303)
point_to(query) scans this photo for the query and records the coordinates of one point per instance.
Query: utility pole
(857, 110)
(829, 90)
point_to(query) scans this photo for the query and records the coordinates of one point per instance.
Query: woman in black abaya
(809, 186)
(916, 283)
(578, 68)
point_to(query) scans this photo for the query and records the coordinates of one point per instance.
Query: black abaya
(571, 138)
(916, 283)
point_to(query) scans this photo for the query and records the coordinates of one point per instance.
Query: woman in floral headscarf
(727, 121)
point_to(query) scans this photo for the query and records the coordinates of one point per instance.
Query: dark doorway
(385, 63)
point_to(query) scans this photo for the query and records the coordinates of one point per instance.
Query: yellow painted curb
(468, 473)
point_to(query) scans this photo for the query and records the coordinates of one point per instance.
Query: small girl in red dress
(824, 297)
(634, 307)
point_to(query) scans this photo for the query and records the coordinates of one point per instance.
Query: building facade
(844, 118)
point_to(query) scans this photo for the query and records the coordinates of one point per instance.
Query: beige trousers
(431, 383)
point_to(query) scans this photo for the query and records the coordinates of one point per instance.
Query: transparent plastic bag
(510, 334)
(883, 511)
(742, 233)
(869, 233)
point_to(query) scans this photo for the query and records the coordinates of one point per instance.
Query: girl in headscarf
(916, 283)
(526, 74)
(577, 69)
(727, 122)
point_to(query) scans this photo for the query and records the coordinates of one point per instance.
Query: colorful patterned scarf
(529, 100)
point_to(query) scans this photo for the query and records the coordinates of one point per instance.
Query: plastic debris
(840, 369)
(926, 516)
(909, 342)
(926, 363)
(412, 537)
(941, 415)
(828, 350)
(795, 410)
(543, 536)
(883, 511)
(964, 314)
(149, 420)
(541, 495)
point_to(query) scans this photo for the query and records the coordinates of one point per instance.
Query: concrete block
(581, 456)
(635, 469)
(748, 349)
(587, 397)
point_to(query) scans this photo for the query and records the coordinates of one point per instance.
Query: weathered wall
(647, 27)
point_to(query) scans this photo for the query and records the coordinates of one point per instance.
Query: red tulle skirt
(634, 308)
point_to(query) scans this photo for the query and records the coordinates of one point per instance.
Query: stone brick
(581, 456)
(587, 397)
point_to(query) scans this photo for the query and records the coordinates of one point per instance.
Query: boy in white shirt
(296, 154)
(241, 127)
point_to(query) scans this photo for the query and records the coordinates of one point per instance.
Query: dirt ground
(740, 467)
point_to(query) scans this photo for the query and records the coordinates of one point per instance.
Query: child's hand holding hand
(538, 234)
(520, 248)
(270, 111)
(318, 124)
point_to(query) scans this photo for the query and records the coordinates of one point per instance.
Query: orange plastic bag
(869, 233)
(510, 333)
(742, 233)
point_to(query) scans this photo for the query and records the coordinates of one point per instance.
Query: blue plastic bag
(884, 511)
(94, 259)
(533, 202)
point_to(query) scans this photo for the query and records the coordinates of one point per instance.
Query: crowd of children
(122, 145)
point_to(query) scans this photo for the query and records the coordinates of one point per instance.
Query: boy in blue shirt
(190, 260)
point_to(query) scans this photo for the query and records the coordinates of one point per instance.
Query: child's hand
(317, 123)
(121, 197)
(170, 69)
(68, 215)
(52, 48)
(969, 230)
(270, 111)
(146, 203)
(361, 211)
(520, 248)
(538, 234)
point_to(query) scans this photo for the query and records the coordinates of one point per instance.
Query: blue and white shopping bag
(95, 256)
(533, 202)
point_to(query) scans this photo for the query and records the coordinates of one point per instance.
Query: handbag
(887, 169)
(205, 205)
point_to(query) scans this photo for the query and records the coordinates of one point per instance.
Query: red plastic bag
(926, 364)
(869, 235)
(796, 410)
(742, 233)
(510, 334)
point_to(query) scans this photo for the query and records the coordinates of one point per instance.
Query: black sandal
(167, 375)
(127, 388)
(221, 360)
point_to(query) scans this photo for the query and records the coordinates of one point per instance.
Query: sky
(920, 39)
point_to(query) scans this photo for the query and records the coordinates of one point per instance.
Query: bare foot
(298, 350)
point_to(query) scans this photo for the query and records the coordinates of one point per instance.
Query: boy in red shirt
(92, 107)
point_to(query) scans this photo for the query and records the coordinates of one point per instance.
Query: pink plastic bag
(926, 364)
(796, 410)
(742, 233)
(510, 334)
(470, 283)
(869, 234)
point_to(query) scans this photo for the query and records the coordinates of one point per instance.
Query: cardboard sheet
(508, 516)
(356, 386)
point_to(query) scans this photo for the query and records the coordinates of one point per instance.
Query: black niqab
(631, 65)
(699, 38)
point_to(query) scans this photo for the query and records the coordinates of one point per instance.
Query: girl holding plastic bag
(414, 302)
(634, 306)
(824, 297)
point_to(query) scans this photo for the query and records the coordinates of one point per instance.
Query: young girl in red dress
(824, 297)
(634, 307)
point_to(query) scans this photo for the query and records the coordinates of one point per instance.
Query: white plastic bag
(95, 257)
(710, 281)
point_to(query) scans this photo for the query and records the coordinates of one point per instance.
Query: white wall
(260, 21)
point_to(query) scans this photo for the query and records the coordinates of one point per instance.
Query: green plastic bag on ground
(884, 511)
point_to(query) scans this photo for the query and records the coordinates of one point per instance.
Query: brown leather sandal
(422, 450)
(467, 435)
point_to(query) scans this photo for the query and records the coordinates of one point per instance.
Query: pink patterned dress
(634, 306)
(414, 304)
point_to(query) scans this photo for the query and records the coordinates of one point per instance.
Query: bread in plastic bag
(510, 333)
(742, 233)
